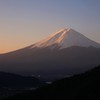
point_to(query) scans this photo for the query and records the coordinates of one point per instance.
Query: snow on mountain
(66, 38)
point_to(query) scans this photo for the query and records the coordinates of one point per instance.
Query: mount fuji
(64, 53)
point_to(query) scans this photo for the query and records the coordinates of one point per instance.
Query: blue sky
(24, 22)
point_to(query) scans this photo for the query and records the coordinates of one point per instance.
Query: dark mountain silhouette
(9, 80)
(11, 84)
(79, 87)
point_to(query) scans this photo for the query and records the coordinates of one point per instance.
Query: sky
(24, 22)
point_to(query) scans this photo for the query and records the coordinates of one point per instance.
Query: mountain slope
(64, 53)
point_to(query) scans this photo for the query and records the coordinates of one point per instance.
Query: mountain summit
(66, 38)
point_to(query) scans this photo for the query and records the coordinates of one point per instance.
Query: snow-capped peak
(66, 38)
